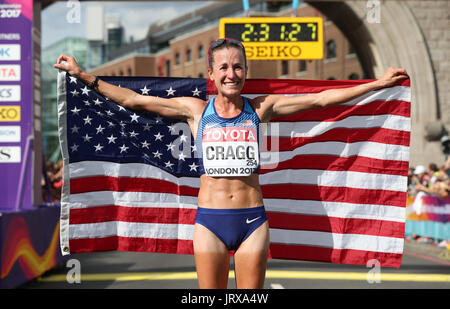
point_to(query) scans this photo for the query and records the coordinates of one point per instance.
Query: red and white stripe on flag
(334, 185)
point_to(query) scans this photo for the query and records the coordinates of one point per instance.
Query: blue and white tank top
(228, 146)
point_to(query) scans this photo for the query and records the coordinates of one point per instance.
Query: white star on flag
(170, 146)
(74, 129)
(123, 148)
(168, 164)
(170, 91)
(157, 154)
(75, 110)
(99, 129)
(181, 156)
(111, 139)
(158, 136)
(98, 147)
(133, 134)
(145, 144)
(134, 117)
(74, 147)
(87, 138)
(87, 120)
(85, 90)
(145, 90)
(193, 166)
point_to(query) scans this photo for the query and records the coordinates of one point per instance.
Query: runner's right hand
(69, 65)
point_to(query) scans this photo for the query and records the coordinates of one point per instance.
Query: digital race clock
(276, 37)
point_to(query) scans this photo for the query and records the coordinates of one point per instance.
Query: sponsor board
(9, 113)
(9, 52)
(10, 72)
(9, 134)
(9, 93)
(9, 154)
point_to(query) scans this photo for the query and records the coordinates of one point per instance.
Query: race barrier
(428, 216)
(29, 244)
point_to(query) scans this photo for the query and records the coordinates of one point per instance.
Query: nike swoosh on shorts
(252, 220)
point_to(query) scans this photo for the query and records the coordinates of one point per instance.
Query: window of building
(168, 68)
(200, 75)
(201, 52)
(177, 58)
(331, 78)
(302, 66)
(351, 50)
(284, 67)
(353, 76)
(331, 49)
(188, 55)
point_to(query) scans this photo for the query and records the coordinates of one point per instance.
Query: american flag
(334, 180)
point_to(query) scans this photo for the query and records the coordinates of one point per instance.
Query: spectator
(420, 178)
(433, 172)
(52, 181)
(411, 182)
(447, 167)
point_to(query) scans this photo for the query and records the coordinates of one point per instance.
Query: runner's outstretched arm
(276, 105)
(174, 108)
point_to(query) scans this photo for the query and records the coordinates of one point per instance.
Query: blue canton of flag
(99, 129)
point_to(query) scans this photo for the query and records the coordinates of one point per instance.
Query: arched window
(188, 55)
(302, 66)
(331, 49)
(351, 50)
(353, 76)
(201, 52)
(284, 67)
(168, 68)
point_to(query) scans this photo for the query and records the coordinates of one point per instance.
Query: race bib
(230, 151)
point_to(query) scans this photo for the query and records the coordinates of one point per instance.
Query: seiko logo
(10, 113)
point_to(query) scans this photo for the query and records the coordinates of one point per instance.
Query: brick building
(186, 55)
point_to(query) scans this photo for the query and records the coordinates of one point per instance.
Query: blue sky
(136, 16)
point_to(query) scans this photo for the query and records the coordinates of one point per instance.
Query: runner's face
(228, 71)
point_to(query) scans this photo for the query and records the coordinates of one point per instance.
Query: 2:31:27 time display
(272, 32)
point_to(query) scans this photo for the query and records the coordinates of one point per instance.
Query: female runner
(230, 214)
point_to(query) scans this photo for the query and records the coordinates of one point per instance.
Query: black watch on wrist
(94, 84)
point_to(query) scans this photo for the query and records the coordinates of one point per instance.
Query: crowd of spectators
(431, 180)
(52, 181)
